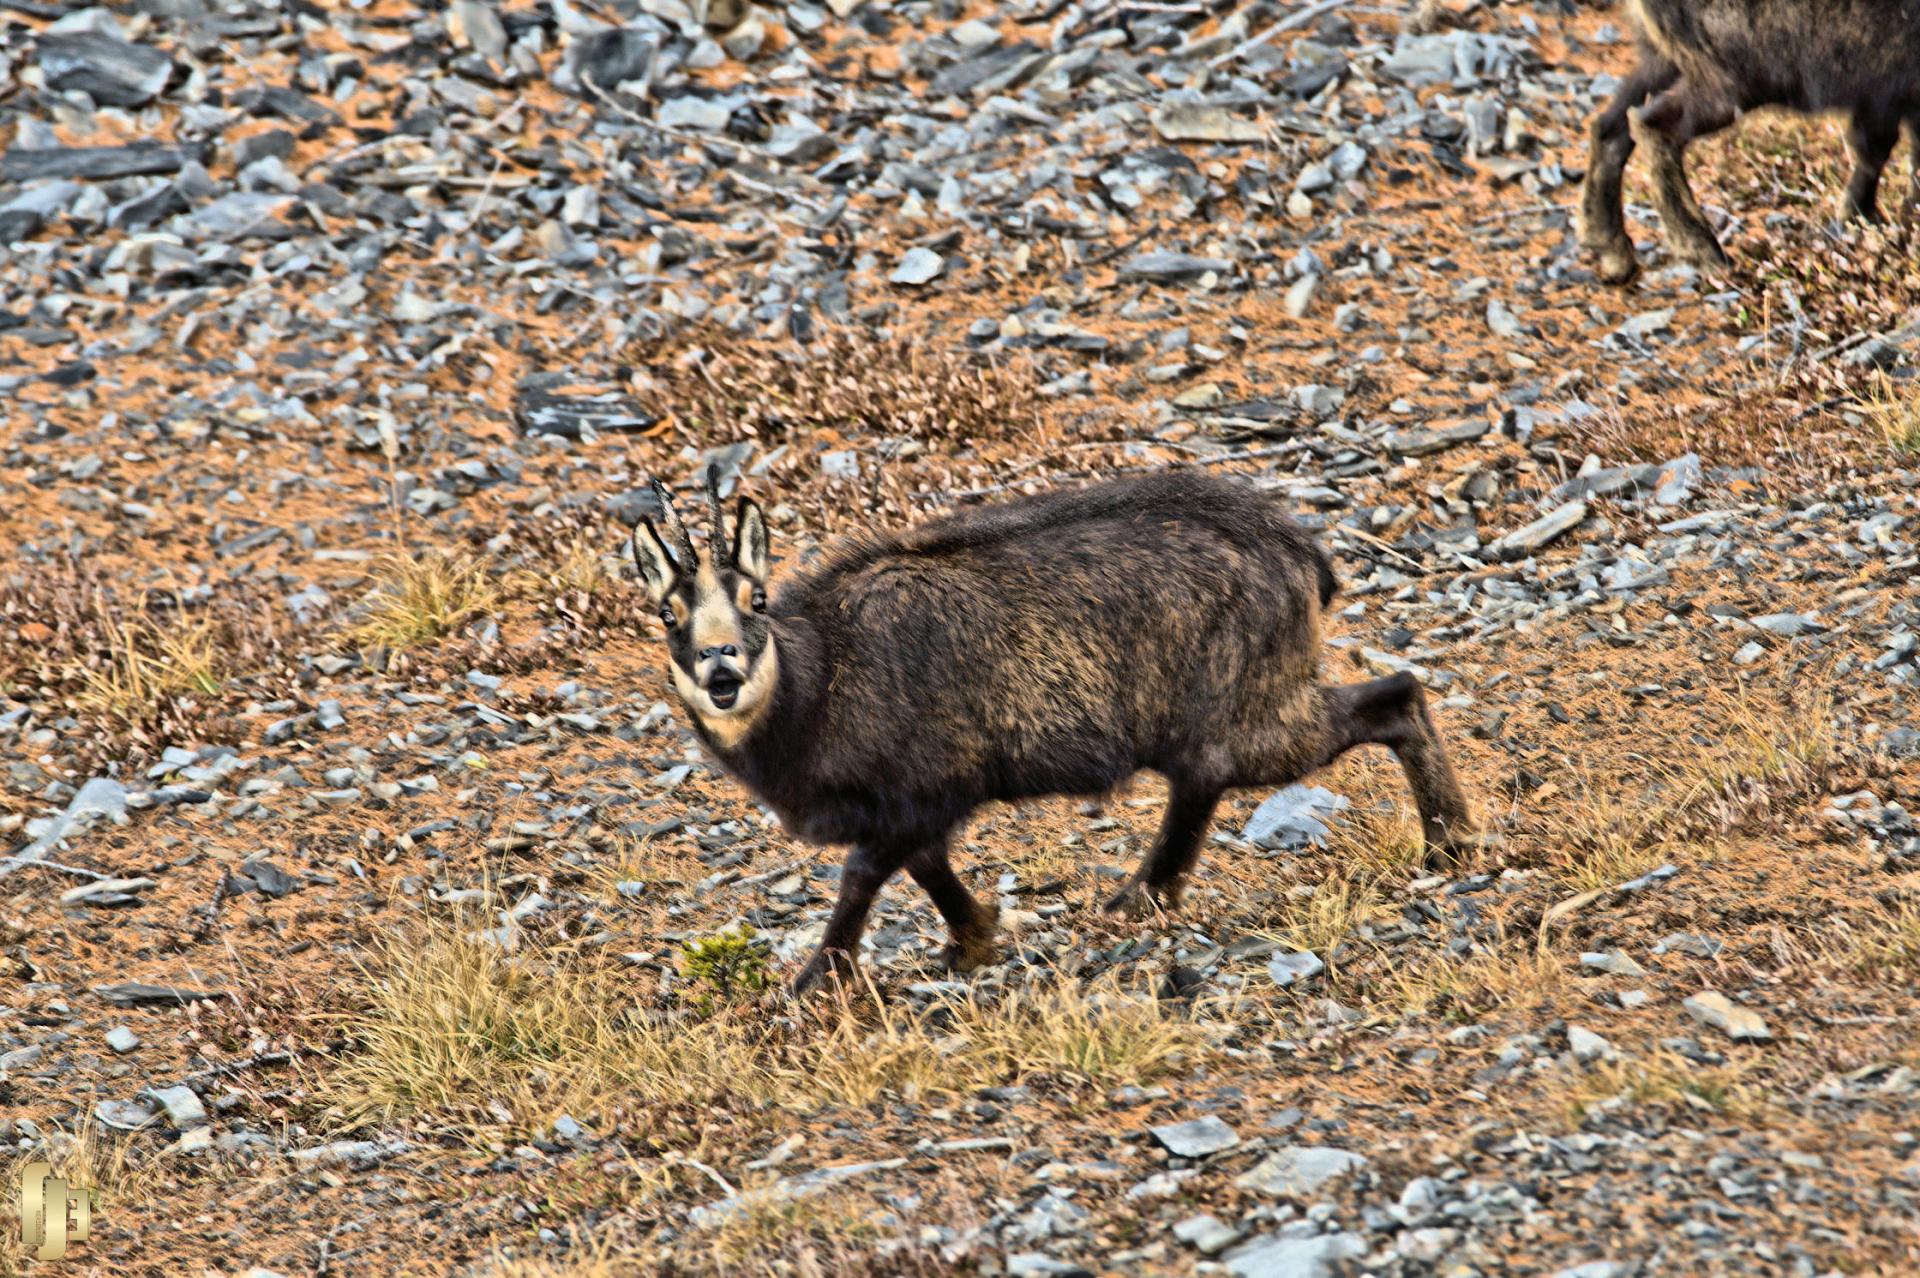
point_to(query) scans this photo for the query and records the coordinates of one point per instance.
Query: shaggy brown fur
(1705, 62)
(1056, 644)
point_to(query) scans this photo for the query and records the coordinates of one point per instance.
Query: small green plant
(725, 968)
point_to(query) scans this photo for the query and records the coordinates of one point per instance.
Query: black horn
(678, 540)
(719, 517)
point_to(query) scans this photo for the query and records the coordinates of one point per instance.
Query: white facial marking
(730, 726)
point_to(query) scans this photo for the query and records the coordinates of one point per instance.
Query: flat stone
(1614, 963)
(1716, 1010)
(1543, 531)
(110, 71)
(1291, 969)
(1196, 1138)
(1587, 1046)
(918, 266)
(1205, 1234)
(1322, 1256)
(134, 159)
(1198, 122)
(122, 1040)
(1165, 267)
(1298, 1171)
(182, 1105)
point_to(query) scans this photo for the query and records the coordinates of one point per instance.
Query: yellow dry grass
(1666, 1079)
(416, 598)
(1468, 987)
(450, 1016)
(1895, 410)
(145, 662)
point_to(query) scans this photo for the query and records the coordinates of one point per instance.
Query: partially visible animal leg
(1872, 139)
(1393, 712)
(1603, 224)
(970, 924)
(865, 872)
(1665, 126)
(1163, 872)
(1913, 153)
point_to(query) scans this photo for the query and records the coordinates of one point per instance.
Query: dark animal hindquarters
(1703, 63)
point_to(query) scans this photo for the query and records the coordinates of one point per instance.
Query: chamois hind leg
(1665, 126)
(1913, 154)
(865, 872)
(970, 925)
(1163, 872)
(1393, 712)
(1603, 224)
(1871, 139)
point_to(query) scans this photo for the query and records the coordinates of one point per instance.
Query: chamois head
(714, 607)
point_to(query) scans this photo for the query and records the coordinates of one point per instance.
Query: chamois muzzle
(719, 672)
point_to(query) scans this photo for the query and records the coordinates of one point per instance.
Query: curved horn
(681, 543)
(718, 538)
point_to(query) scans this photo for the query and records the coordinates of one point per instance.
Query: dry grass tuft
(1062, 1029)
(417, 598)
(145, 663)
(450, 1017)
(453, 1017)
(1895, 409)
(1887, 946)
(1466, 989)
(87, 1160)
(1320, 918)
(712, 384)
(1380, 842)
(134, 666)
(1665, 1079)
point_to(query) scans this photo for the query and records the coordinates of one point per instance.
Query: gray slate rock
(1291, 969)
(1322, 1256)
(111, 72)
(1196, 1138)
(1299, 1171)
(1293, 817)
(1167, 267)
(1716, 1010)
(133, 160)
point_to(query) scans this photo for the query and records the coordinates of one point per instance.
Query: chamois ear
(750, 542)
(658, 572)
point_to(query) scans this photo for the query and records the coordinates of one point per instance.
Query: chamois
(1051, 645)
(1703, 63)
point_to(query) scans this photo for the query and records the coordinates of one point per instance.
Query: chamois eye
(759, 600)
(666, 615)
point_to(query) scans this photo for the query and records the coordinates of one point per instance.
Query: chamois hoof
(837, 964)
(1616, 264)
(1703, 253)
(976, 948)
(1138, 900)
(965, 956)
(1452, 851)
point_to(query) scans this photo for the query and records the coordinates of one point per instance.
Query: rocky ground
(367, 905)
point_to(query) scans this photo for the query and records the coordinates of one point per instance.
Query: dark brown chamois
(1703, 63)
(1052, 645)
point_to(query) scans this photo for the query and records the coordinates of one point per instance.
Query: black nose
(724, 650)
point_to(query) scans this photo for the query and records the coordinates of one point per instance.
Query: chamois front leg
(865, 872)
(970, 925)
(1871, 138)
(1664, 127)
(1602, 223)
(1163, 873)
